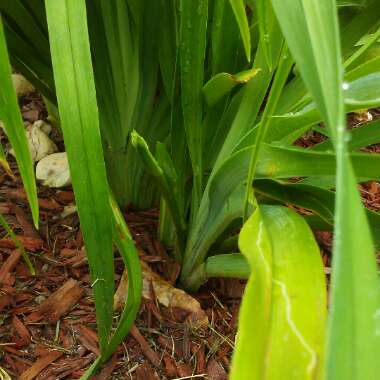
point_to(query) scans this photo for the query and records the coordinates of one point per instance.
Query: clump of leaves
(196, 104)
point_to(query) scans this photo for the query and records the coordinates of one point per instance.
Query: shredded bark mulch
(47, 321)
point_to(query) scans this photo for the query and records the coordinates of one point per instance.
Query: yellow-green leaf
(283, 312)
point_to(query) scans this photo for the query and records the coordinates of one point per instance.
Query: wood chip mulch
(47, 321)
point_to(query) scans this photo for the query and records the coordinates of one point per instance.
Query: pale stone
(21, 85)
(40, 145)
(53, 170)
(44, 126)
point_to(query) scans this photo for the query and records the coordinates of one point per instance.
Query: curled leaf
(222, 83)
(283, 312)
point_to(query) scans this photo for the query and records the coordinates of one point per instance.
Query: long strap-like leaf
(76, 96)
(353, 348)
(238, 7)
(124, 242)
(192, 53)
(11, 116)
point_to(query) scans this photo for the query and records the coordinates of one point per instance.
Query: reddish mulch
(47, 321)
(47, 324)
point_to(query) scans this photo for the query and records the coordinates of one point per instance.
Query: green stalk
(283, 69)
(156, 171)
(230, 265)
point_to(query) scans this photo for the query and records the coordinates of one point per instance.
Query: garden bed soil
(47, 324)
(47, 321)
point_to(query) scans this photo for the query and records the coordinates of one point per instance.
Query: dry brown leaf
(166, 294)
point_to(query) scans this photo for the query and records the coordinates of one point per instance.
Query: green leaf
(282, 162)
(361, 51)
(360, 137)
(222, 83)
(168, 45)
(283, 311)
(311, 29)
(234, 265)
(367, 67)
(67, 22)
(231, 265)
(225, 39)
(32, 31)
(249, 100)
(11, 116)
(193, 25)
(128, 252)
(4, 162)
(351, 3)
(364, 22)
(300, 25)
(124, 46)
(318, 200)
(28, 43)
(220, 202)
(125, 244)
(165, 183)
(359, 94)
(238, 7)
(362, 93)
(283, 69)
(267, 19)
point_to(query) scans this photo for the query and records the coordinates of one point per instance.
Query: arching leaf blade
(11, 116)
(69, 42)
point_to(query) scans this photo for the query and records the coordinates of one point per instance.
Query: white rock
(39, 142)
(22, 86)
(54, 171)
(45, 127)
